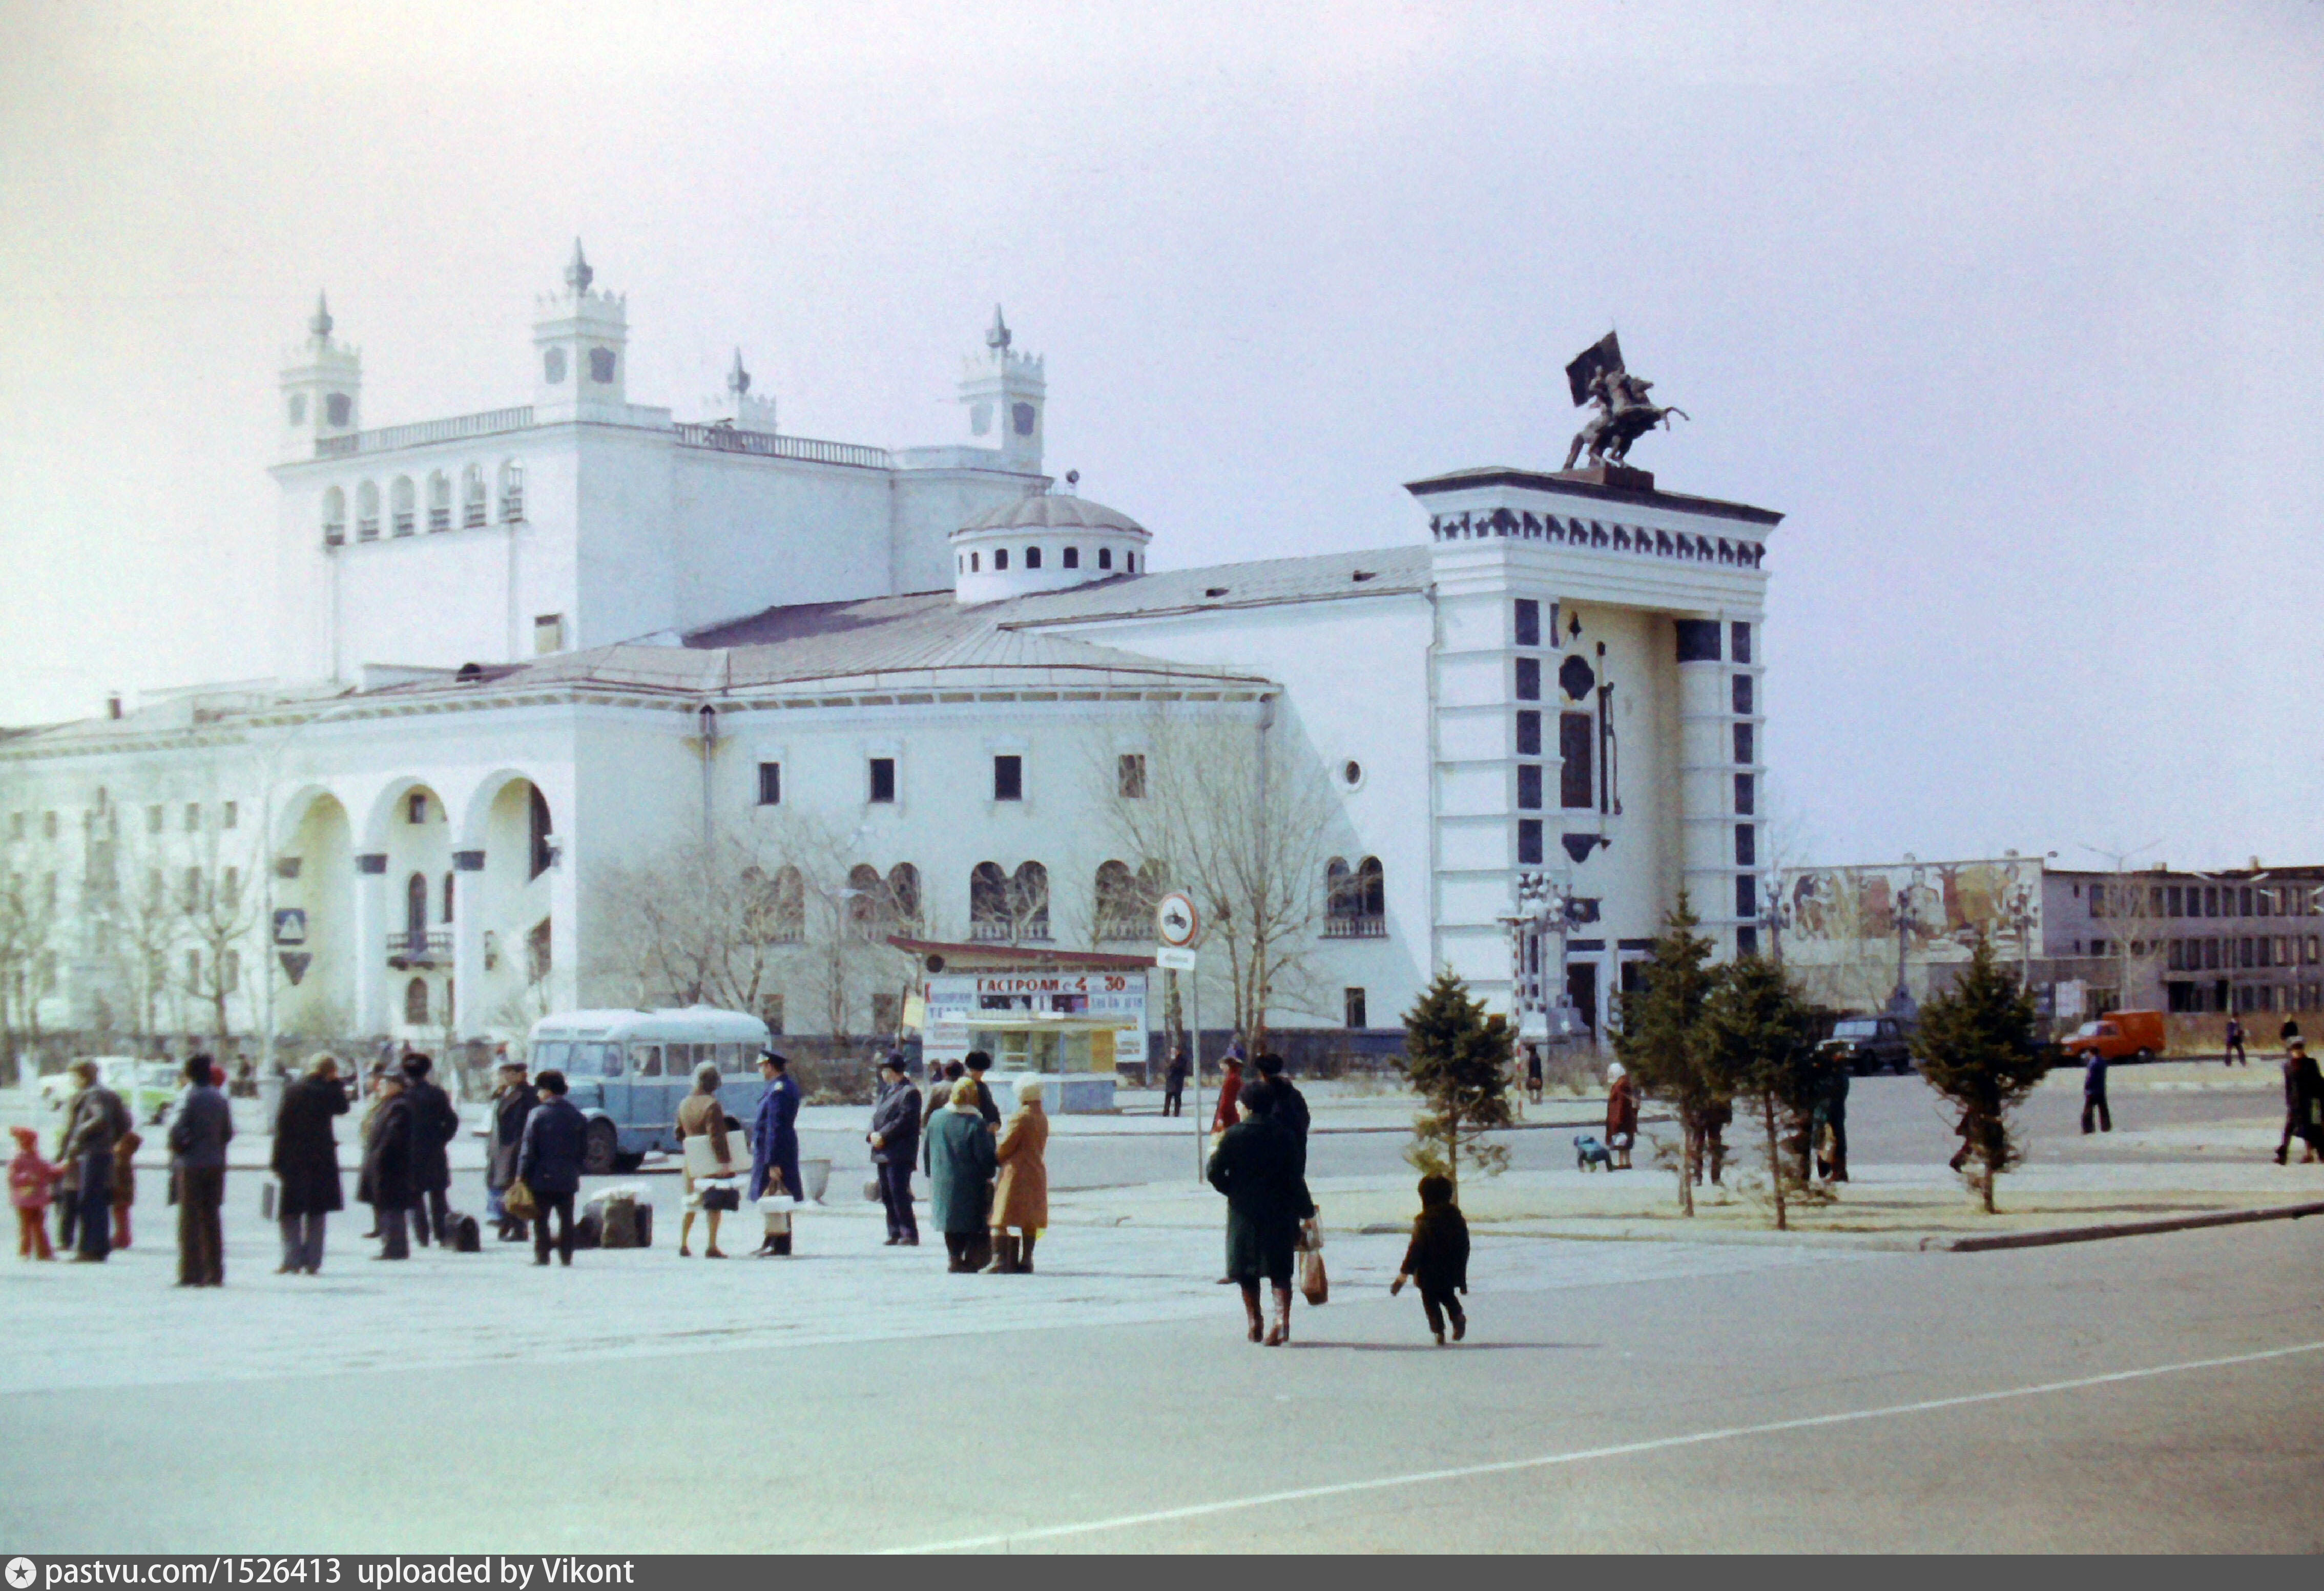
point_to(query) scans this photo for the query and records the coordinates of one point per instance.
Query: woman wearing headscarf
(1622, 1114)
(957, 1155)
(1021, 1200)
(1256, 1166)
(701, 1116)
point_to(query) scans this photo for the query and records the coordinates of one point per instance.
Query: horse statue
(1624, 414)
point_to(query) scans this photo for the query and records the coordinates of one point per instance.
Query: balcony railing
(420, 944)
(768, 444)
(389, 437)
(367, 529)
(1009, 933)
(404, 524)
(439, 519)
(1130, 928)
(512, 508)
(473, 518)
(1365, 927)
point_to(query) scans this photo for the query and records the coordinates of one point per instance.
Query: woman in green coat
(1256, 1166)
(957, 1155)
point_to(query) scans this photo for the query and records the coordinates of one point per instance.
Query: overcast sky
(2016, 312)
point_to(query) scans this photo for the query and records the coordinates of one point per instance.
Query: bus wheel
(600, 1148)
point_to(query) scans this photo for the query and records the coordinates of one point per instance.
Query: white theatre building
(526, 652)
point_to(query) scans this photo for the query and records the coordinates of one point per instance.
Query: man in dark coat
(197, 1141)
(895, 1140)
(1256, 1166)
(1831, 1114)
(979, 1063)
(434, 1123)
(2235, 1047)
(1290, 1111)
(774, 1132)
(548, 1162)
(2304, 1104)
(1174, 1082)
(387, 1167)
(512, 1106)
(2095, 1117)
(94, 1119)
(307, 1164)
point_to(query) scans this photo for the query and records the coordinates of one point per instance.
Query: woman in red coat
(1622, 1114)
(1229, 1094)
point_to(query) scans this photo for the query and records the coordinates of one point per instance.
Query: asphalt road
(2103, 1396)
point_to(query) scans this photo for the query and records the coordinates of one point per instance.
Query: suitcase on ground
(588, 1232)
(620, 1220)
(466, 1236)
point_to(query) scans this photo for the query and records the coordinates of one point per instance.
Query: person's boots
(1459, 1320)
(1025, 1255)
(1251, 1310)
(1004, 1255)
(1279, 1333)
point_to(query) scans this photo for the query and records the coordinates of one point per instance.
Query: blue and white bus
(629, 1070)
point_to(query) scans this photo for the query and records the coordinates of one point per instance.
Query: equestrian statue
(1623, 413)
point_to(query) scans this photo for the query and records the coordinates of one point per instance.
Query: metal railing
(389, 437)
(1365, 927)
(1130, 928)
(420, 942)
(768, 444)
(1009, 933)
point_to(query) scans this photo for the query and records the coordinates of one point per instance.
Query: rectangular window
(1747, 898)
(1528, 622)
(153, 820)
(883, 778)
(547, 634)
(2314, 946)
(2211, 901)
(1130, 776)
(193, 817)
(1528, 843)
(1528, 679)
(2245, 952)
(1744, 744)
(229, 813)
(1747, 791)
(2211, 955)
(419, 806)
(1528, 733)
(770, 784)
(2172, 898)
(1009, 778)
(2247, 902)
(1001, 558)
(48, 825)
(2265, 899)
(1743, 694)
(1747, 941)
(1746, 845)
(1529, 786)
(1698, 640)
(1740, 634)
(1073, 561)
(1577, 741)
(1351, 1005)
(1105, 557)
(2175, 959)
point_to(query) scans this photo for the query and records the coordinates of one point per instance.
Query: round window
(552, 366)
(1351, 773)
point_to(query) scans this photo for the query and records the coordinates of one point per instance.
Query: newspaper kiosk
(1064, 1016)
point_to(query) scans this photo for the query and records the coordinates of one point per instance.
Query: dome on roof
(1053, 511)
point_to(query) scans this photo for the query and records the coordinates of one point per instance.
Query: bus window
(598, 1060)
(647, 1059)
(550, 1055)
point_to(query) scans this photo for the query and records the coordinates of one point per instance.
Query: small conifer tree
(1458, 1059)
(1761, 1050)
(1662, 1041)
(1977, 1046)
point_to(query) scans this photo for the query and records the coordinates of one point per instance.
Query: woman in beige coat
(701, 1116)
(1020, 1198)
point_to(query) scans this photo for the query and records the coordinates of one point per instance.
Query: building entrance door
(1581, 989)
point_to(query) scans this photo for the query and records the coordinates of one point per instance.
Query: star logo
(21, 1573)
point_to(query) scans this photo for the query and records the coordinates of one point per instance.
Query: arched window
(1001, 558)
(334, 516)
(440, 501)
(512, 491)
(867, 902)
(1119, 910)
(987, 902)
(1355, 899)
(415, 913)
(904, 893)
(544, 849)
(399, 502)
(1032, 557)
(1337, 879)
(1073, 557)
(472, 496)
(1105, 557)
(448, 898)
(788, 900)
(367, 511)
(1373, 882)
(1028, 902)
(415, 1003)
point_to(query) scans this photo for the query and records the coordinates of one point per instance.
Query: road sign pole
(1194, 1005)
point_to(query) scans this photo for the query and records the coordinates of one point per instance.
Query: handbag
(720, 1194)
(1315, 1286)
(520, 1203)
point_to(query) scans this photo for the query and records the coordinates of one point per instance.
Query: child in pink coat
(31, 1179)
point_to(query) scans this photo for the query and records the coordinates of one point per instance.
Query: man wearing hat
(512, 1102)
(774, 1134)
(2304, 1104)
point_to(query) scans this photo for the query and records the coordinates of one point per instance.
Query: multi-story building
(532, 660)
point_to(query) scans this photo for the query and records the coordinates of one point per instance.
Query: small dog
(1589, 1152)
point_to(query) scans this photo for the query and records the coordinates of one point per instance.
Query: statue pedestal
(1616, 475)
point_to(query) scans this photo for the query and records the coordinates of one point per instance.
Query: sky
(2012, 311)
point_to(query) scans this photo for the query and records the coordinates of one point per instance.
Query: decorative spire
(578, 275)
(738, 379)
(997, 339)
(321, 324)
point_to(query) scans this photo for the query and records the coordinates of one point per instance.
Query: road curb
(2042, 1239)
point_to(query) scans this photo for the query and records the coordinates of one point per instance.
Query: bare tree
(1221, 807)
(148, 925)
(218, 902)
(28, 933)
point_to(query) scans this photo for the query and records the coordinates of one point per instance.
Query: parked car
(1869, 1044)
(2118, 1035)
(630, 1069)
(149, 1089)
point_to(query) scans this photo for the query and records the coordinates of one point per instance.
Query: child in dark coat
(1438, 1258)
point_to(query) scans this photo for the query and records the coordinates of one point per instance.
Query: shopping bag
(520, 1202)
(1315, 1286)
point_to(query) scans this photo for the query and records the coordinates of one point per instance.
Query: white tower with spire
(322, 389)
(737, 407)
(1003, 392)
(580, 350)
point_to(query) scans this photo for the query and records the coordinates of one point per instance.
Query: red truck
(2120, 1036)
